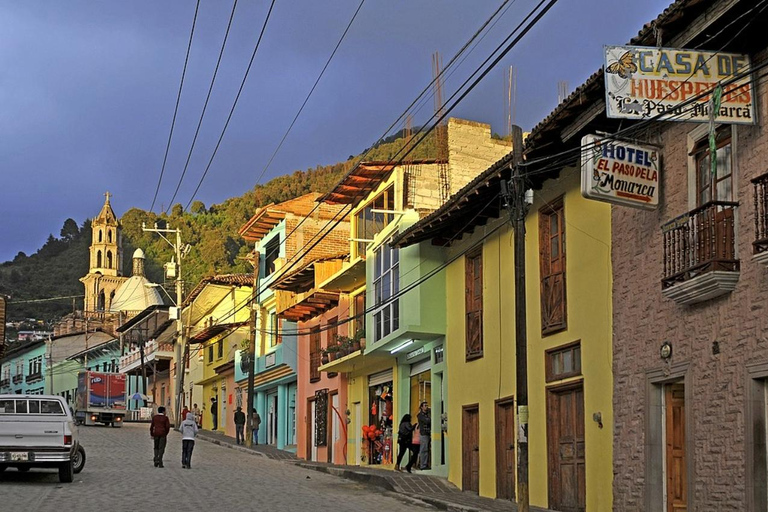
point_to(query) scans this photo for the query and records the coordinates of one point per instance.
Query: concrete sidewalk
(433, 490)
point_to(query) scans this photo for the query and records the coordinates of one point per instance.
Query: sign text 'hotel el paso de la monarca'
(643, 82)
(619, 172)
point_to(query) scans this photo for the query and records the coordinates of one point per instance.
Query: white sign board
(619, 172)
(643, 82)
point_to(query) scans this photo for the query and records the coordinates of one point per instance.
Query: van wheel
(66, 473)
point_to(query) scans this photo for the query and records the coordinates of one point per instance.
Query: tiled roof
(267, 217)
(223, 279)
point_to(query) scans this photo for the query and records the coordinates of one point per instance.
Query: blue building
(23, 368)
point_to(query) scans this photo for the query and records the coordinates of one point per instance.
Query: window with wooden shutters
(314, 354)
(474, 303)
(552, 267)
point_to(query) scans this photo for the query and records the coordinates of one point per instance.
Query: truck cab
(37, 431)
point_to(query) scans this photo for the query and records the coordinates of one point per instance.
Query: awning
(213, 331)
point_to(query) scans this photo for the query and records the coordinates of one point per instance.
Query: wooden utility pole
(514, 196)
(252, 350)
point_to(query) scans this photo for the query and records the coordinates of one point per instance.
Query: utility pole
(252, 349)
(514, 196)
(173, 269)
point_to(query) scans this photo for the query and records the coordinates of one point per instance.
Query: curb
(365, 478)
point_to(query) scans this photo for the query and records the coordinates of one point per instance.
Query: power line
(26, 301)
(309, 246)
(312, 90)
(176, 109)
(234, 104)
(205, 105)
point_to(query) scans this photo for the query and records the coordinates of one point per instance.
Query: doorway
(272, 418)
(566, 448)
(311, 431)
(470, 449)
(674, 437)
(505, 449)
(333, 432)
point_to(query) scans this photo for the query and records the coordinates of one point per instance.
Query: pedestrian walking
(158, 429)
(198, 415)
(404, 443)
(255, 423)
(239, 426)
(188, 433)
(215, 412)
(425, 430)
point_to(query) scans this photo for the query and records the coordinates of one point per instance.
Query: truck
(37, 431)
(101, 398)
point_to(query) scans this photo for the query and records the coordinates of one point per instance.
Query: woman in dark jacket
(404, 442)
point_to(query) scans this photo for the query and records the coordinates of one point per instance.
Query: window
(220, 351)
(717, 187)
(473, 303)
(359, 312)
(552, 267)
(314, 354)
(99, 235)
(369, 223)
(109, 235)
(274, 330)
(109, 259)
(98, 259)
(563, 362)
(210, 353)
(271, 253)
(332, 330)
(386, 284)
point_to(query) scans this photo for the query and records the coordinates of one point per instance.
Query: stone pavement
(119, 476)
(430, 489)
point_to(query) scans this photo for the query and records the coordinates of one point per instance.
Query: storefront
(382, 425)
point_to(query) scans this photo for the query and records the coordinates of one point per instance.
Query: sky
(88, 90)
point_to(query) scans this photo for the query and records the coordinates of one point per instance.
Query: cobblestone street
(119, 475)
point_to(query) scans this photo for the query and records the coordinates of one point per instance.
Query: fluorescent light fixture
(401, 347)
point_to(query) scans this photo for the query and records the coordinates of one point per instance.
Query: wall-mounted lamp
(666, 350)
(598, 418)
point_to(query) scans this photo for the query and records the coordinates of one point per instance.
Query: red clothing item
(160, 426)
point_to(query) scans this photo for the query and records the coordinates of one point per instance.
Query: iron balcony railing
(17, 379)
(760, 185)
(34, 376)
(699, 242)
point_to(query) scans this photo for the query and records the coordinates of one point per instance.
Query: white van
(37, 431)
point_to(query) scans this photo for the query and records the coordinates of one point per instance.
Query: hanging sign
(620, 173)
(642, 82)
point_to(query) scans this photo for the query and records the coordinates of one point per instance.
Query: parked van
(37, 431)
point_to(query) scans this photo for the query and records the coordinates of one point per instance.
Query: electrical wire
(176, 109)
(205, 106)
(234, 104)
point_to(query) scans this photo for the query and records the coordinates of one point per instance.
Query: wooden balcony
(700, 254)
(760, 196)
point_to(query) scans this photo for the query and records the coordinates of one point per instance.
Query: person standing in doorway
(239, 426)
(188, 433)
(198, 415)
(158, 429)
(215, 412)
(255, 423)
(425, 431)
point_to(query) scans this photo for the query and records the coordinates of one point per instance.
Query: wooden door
(310, 426)
(677, 486)
(333, 398)
(470, 467)
(565, 440)
(505, 449)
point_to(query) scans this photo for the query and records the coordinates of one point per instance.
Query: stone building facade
(690, 330)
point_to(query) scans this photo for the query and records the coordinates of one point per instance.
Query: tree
(197, 207)
(70, 230)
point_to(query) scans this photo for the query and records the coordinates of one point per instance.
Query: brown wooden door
(470, 478)
(565, 440)
(505, 449)
(677, 487)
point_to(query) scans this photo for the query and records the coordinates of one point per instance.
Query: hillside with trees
(54, 270)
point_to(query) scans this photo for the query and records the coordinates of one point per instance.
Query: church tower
(106, 260)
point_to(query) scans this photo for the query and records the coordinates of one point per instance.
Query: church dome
(137, 293)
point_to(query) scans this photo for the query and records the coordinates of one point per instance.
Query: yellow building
(568, 295)
(216, 315)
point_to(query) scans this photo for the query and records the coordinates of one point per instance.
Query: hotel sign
(619, 172)
(643, 82)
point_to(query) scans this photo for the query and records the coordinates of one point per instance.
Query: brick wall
(643, 319)
(335, 242)
(471, 150)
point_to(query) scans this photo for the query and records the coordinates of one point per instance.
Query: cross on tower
(107, 195)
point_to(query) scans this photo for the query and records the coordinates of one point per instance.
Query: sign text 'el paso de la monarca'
(643, 82)
(620, 173)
